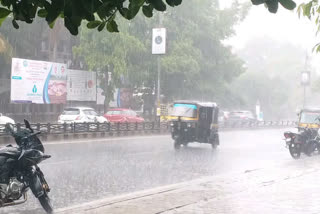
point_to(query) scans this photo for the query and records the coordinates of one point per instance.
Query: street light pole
(158, 109)
(159, 76)
(158, 48)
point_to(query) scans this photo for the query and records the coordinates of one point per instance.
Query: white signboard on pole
(82, 85)
(38, 82)
(158, 41)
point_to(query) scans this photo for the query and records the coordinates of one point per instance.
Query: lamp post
(158, 48)
(305, 81)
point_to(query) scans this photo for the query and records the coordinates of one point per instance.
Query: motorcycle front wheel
(46, 203)
(295, 151)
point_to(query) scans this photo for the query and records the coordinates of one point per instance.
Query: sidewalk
(293, 188)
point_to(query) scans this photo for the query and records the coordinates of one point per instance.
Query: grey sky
(283, 26)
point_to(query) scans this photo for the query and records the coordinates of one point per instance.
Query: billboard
(82, 85)
(38, 82)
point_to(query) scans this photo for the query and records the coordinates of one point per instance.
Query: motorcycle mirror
(28, 126)
(9, 128)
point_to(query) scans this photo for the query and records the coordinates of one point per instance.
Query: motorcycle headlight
(171, 124)
(188, 125)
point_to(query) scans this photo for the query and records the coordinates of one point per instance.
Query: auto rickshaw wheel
(177, 144)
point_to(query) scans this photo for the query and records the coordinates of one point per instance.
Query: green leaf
(42, 13)
(71, 24)
(173, 3)
(272, 6)
(93, 24)
(105, 10)
(4, 12)
(288, 4)
(134, 8)
(307, 9)
(100, 28)
(257, 2)
(147, 11)
(124, 12)
(51, 25)
(112, 26)
(15, 24)
(2, 20)
(158, 5)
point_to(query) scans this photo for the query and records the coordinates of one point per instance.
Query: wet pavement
(270, 190)
(91, 170)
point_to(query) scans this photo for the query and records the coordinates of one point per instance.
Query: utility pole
(305, 80)
(158, 48)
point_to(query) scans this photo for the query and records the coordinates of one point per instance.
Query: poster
(38, 82)
(82, 85)
(125, 96)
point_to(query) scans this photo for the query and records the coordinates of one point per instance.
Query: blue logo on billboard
(34, 89)
(25, 63)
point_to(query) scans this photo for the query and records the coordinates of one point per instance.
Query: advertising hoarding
(38, 82)
(82, 85)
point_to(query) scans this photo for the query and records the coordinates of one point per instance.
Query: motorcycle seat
(10, 152)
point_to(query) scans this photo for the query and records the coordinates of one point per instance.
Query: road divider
(76, 131)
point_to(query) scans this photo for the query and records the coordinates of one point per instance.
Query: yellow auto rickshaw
(309, 117)
(193, 121)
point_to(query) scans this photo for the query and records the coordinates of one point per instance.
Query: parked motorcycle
(19, 171)
(301, 142)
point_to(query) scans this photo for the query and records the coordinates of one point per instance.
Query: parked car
(240, 116)
(4, 120)
(122, 115)
(223, 116)
(80, 115)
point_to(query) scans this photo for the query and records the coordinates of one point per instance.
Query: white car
(81, 115)
(4, 120)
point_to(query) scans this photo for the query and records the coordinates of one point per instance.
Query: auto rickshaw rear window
(184, 110)
(309, 117)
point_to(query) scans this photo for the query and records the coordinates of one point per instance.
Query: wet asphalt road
(90, 170)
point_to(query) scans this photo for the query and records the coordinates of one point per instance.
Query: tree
(99, 13)
(273, 78)
(197, 64)
(111, 53)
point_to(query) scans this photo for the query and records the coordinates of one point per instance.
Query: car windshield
(184, 110)
(309, 117)
(90, 112)
(71, 111)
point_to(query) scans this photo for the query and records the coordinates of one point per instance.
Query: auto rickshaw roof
(203, 104)
(310, 110)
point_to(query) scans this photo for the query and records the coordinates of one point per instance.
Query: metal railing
(54, 128)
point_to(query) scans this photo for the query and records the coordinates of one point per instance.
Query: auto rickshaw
(193, 121)
(309, 117)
